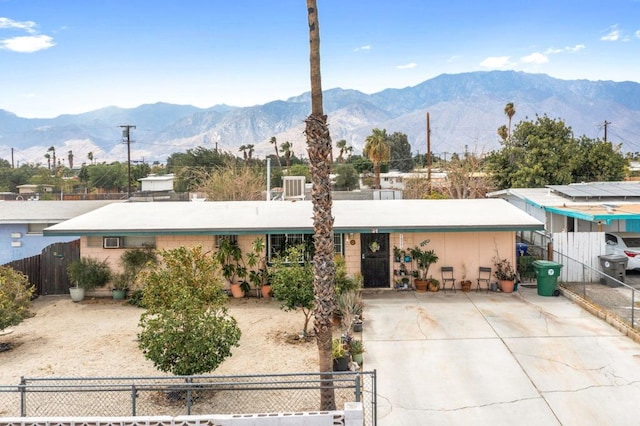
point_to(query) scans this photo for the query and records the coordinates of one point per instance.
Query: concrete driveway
(497, 359)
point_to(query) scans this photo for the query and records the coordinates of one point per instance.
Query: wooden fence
(584, 247)
(47, 271)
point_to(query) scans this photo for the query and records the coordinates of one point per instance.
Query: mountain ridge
(465, 111)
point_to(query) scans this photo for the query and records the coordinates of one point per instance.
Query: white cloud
(407, 66)
(24, 44)
(638, 34)
(496, 62)
(613, 35)
(28, 26)
(27, 44)
(535, 58)
(361, 48)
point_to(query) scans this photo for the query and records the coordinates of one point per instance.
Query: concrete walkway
(497, 359)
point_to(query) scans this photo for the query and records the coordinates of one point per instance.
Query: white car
(626, 244)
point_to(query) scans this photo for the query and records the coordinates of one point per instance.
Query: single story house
(157, 183)
(465, 234)
(22, 223)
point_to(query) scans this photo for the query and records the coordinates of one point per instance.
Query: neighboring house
(464, 233)
(583, 207)
(395, 179)
(22, 222)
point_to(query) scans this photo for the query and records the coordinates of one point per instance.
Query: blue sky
(67, 57)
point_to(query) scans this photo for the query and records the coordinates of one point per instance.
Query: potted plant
(505, 274)
(424, 259)
(87, 273)
(133, 261)
(229, 256)
(356, 349)
(340, 355)
(465, 284)
(259, 277)
(433, 284)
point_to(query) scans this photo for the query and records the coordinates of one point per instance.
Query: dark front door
(375, 260)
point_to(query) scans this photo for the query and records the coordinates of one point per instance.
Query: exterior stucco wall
(462, 250)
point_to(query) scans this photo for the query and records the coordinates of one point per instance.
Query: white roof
(245, 217)
(46, 211)
(157, 178)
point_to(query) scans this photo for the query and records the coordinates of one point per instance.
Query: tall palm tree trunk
(376, 172)
(319, 150)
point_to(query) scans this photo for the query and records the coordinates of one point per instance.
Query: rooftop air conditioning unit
(111, 242)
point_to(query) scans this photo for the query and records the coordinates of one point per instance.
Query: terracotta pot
(265, 290)
(421, 285)
(507, 286)
(466, 286)
(236, 291)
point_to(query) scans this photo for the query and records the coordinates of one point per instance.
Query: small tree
(15, 297)
(186, 329)
(292, 282)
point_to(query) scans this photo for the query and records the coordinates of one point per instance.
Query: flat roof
(250, 217)
(13, 212)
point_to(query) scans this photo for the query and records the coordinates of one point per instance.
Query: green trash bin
(547, 277)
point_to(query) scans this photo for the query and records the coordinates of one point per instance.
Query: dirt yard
(98, 338)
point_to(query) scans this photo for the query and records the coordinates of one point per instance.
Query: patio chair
(447, 277)
(484, 276)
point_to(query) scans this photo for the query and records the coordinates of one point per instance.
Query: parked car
(626, 244)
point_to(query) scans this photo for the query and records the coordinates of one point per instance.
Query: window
(37, 228)
(278, 243)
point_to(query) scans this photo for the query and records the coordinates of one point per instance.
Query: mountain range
(465, 110)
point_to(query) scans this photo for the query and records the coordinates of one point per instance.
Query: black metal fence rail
(185, 395)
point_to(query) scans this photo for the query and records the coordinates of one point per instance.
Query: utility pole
(428, 154)
(12, 158)
(606, 123)
(126, 137)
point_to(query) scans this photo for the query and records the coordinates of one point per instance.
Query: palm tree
(274, 142)
(286, 149)
(510, 111)
(243, 148)
(90, 156)
(250, 149)
(342, 145)
(319, 149)
(53, 151)
(503, 132)
(349, 151)
(48, 157)
(377, 150)
(70, 157)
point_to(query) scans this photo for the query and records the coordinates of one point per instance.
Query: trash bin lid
(546, 264)
(613, 257)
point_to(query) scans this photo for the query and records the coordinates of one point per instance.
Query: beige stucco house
(465, 234)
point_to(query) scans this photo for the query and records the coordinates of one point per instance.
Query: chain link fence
(190, 395)
(612, 298)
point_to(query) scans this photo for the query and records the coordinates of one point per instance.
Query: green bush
(15, 297)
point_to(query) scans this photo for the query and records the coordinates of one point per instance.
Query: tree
(286, 149)
(194, 164)
(510, 111)
(231, 183)
(90, 156)
(53, 156)
(346, 177)
(400, 152)
(250, 149)
(15, 297)
(377, 150)
(70, 157)
(274, 142)
(466, 177)
(186, 329)
(292, 282)
(342, 146)
(48, 157)
(545, 152)
(503, 132)
(319, 149)
(243, 149)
